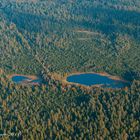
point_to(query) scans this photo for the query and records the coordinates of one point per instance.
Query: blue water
(90, 79)
(19, 79)
(22, 79)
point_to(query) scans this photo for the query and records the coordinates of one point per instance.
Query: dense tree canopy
(43, 37)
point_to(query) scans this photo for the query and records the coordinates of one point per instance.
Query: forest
(43, 38)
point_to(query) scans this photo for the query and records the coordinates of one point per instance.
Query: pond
(93, 79)
(25, 79)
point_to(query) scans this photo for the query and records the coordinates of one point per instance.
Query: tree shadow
(131, 75)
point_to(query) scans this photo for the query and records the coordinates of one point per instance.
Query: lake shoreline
(117, 78)
(29, 81)
(63, 79)
(32, 77)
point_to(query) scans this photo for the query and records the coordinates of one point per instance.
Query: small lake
(25, 79)
(91, 79)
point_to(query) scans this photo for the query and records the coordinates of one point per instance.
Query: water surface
(91, 79)
(25, 79)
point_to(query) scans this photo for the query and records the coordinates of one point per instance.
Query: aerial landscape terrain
(69, 70)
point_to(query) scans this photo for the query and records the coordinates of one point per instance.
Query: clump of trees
(42, 112)
(67, 37)
(42, 37)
